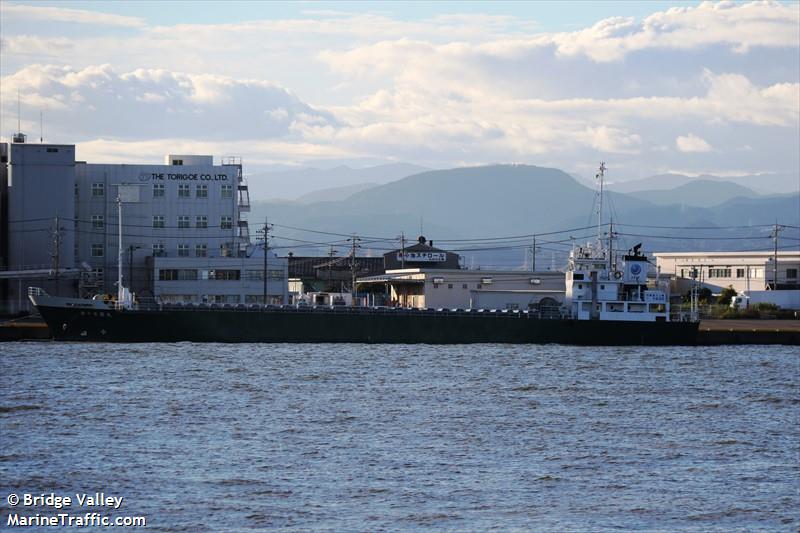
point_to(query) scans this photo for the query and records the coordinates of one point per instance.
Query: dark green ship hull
(395, 326)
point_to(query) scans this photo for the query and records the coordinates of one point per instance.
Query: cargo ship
(605, 304)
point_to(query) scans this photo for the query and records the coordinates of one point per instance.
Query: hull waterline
(354, 326)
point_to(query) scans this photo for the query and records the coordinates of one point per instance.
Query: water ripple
(206, 437)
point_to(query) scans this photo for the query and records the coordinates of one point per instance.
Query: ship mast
(120, 288)
(600, 177)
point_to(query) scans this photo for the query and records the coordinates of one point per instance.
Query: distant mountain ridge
(293, 184)
(335, 194)
(774, 183)
(697, 193)
(504, 200)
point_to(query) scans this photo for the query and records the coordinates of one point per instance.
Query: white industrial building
(185, 236)
(744, 271)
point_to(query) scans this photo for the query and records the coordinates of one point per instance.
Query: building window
(183, 250)
(719, 272)
(98, 250)
(226, 299)
(254, 275)
(98, 189)
(183, 221)
(449, 285)
(222, 274)
(464, 286)
(201, 222)
(158, 190)
(158, 221)
(158, 250)
(226, 222)
(177, 274)
(258, 275)
(98, 221)
(739, 272)
(201, 250)
(227, 191)
(177, 162)
(478, 286)
(52, 150)
(791, 272)
(183, 190)
(202, 191)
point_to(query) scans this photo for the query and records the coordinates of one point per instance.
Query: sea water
(347, 437)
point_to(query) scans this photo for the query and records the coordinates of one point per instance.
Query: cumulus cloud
(692, 143)
(146, 103)
(740, 26)
(443, 90)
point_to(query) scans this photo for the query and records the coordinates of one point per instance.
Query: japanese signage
(655, 297)
(423, 257)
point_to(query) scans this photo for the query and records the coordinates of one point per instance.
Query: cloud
(99, 101)
(455, 88)
(740, 26)
(254, 152)
(60, 14)
(692, 143)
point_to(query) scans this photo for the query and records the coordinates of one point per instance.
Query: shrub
(725, 296)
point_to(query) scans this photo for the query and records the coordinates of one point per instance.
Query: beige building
(462, 289)
(744, 271)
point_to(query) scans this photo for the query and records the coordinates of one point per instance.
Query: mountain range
(507, 200)
(296, 183)
(766, 183)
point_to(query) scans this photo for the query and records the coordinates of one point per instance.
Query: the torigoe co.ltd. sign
(428, 257)
(161, 176)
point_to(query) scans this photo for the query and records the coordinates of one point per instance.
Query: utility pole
(354, 244)
(330, 269)
(56, 249)
(265, 231)
(775, 256)
(402, 250)
(131, 248)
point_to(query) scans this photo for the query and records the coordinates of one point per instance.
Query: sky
(647, 87)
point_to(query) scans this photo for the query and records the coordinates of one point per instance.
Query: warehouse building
(475, 289)
(744, 271)
(423, 276)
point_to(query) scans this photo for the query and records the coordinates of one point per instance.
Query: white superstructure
(599, 289)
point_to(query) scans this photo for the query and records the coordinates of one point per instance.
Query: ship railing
(542, 313)
(36, 291)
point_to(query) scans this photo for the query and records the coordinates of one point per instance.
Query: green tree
(704, 295)
(726, 295)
